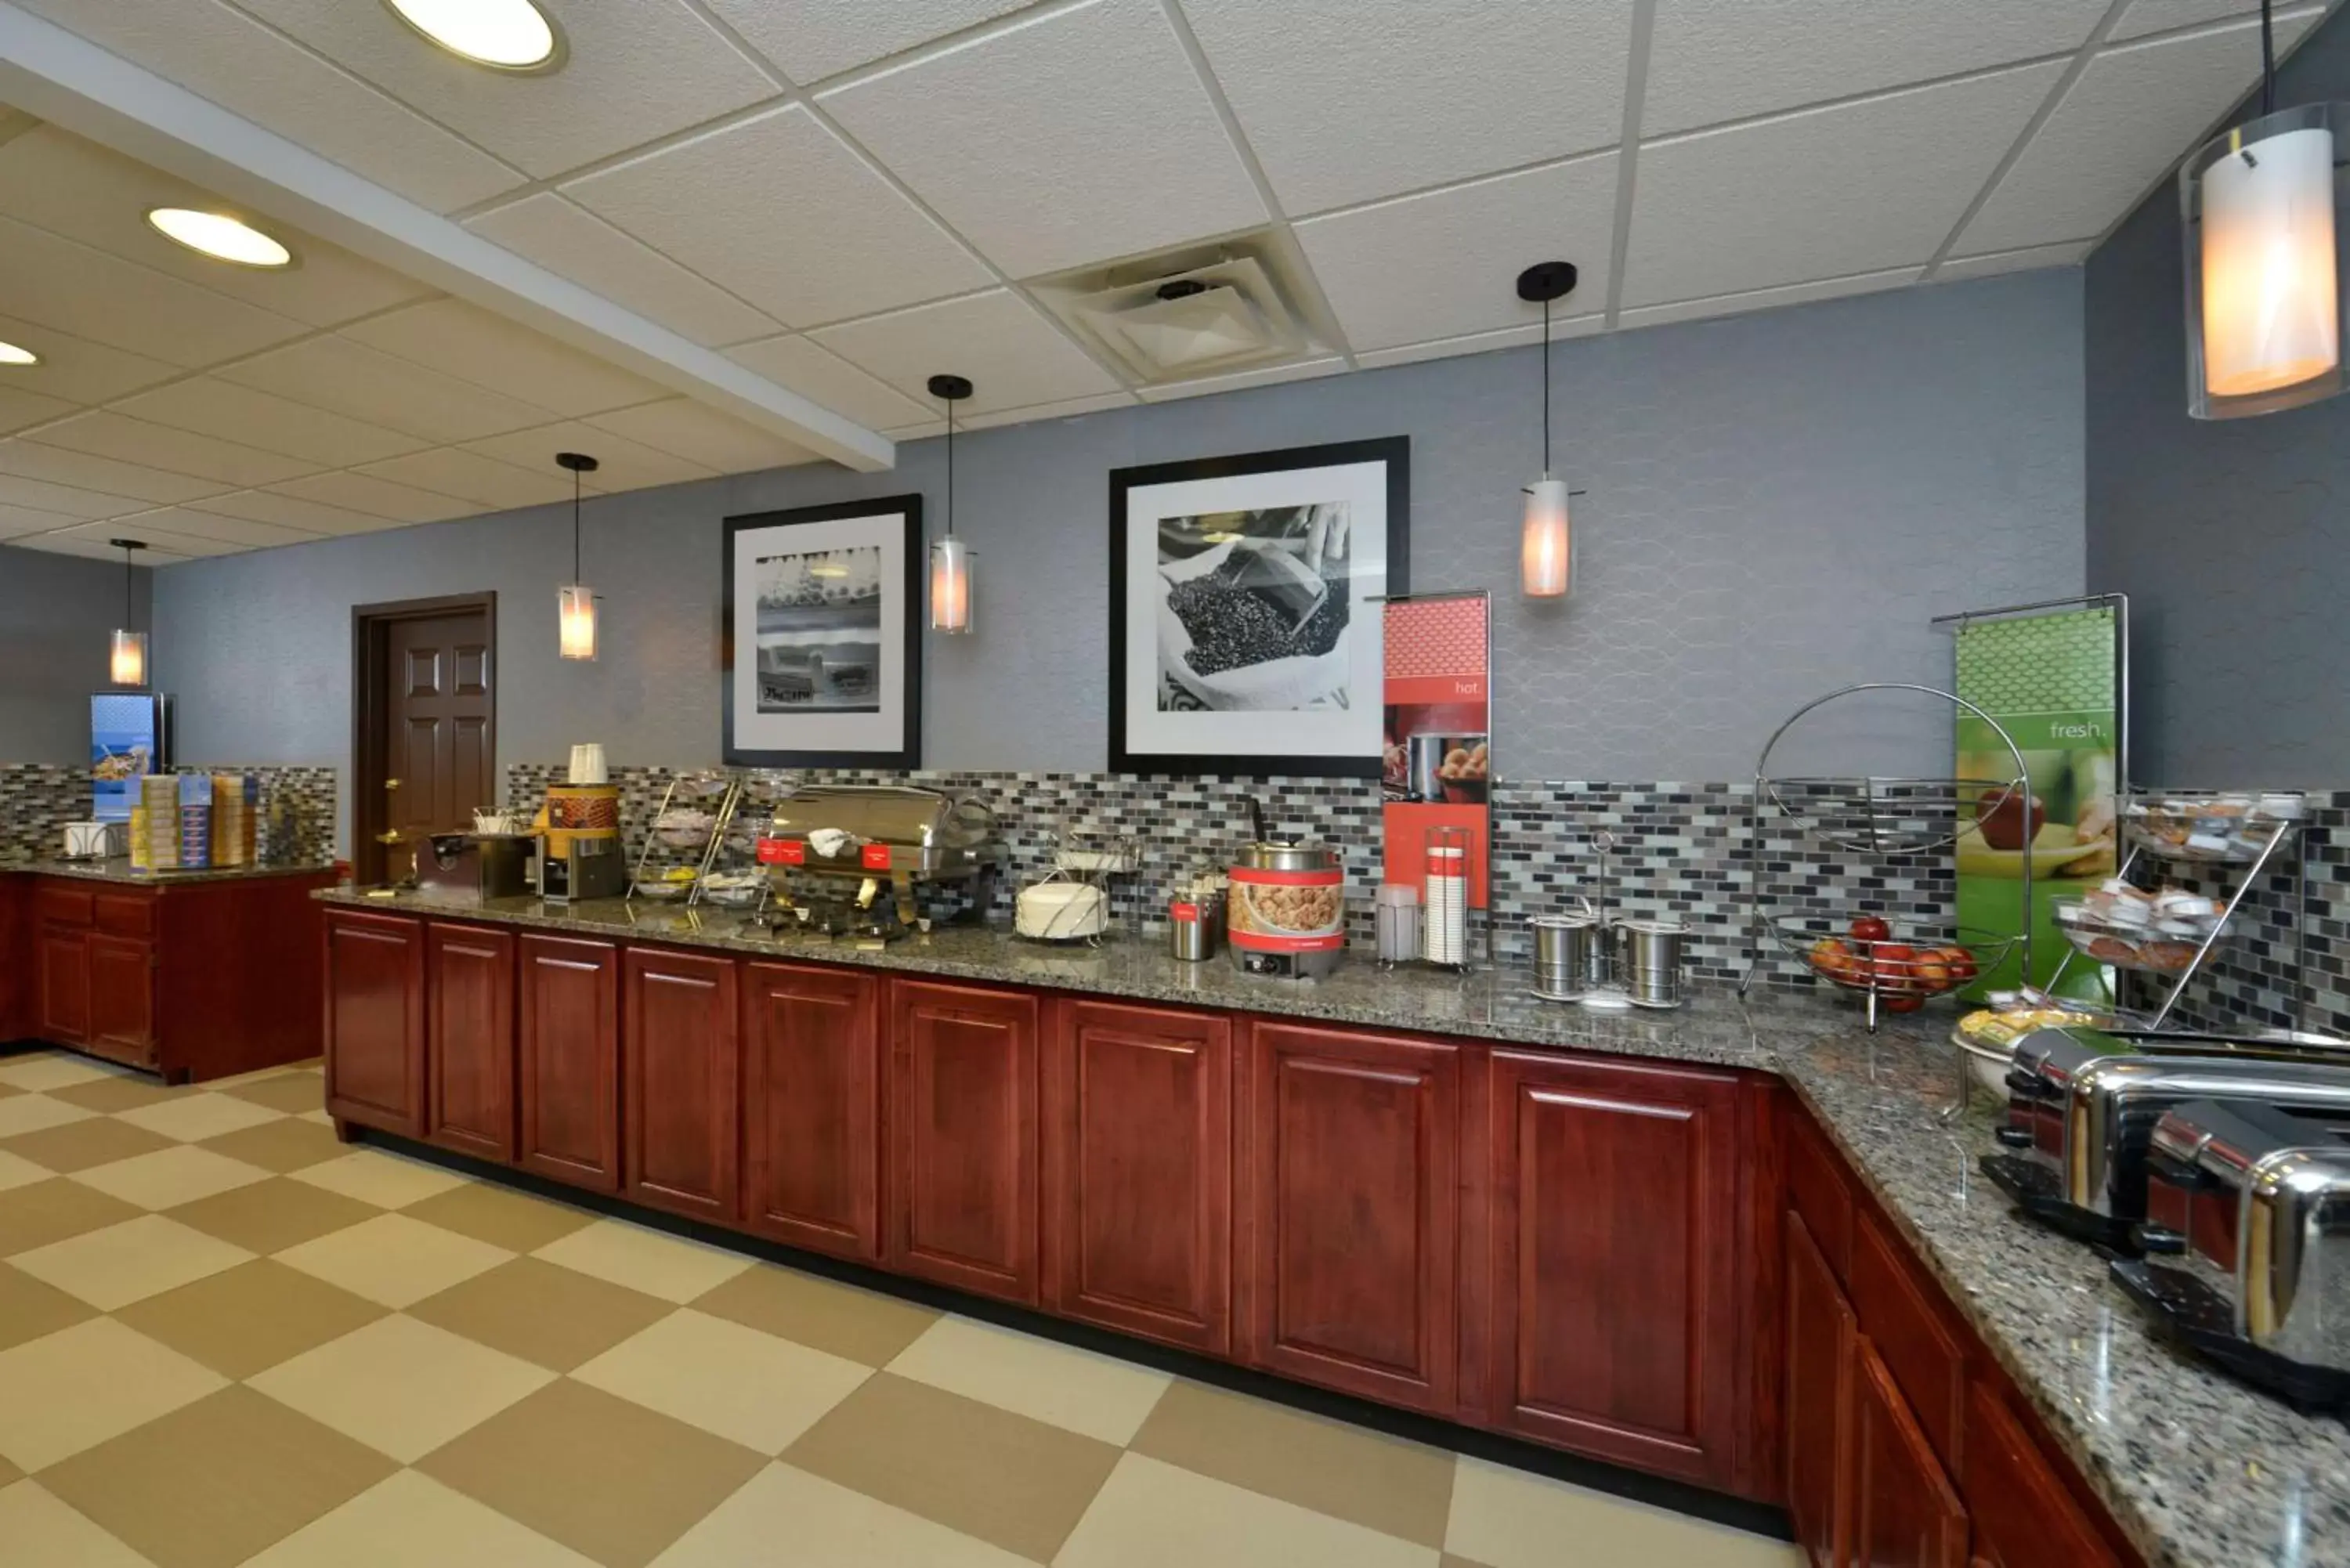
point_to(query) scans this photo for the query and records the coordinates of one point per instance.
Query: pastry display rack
(683, 839)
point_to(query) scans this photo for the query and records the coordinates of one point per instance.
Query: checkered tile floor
(226, 1338)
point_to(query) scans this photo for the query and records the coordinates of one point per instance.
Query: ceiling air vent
(1210, 311)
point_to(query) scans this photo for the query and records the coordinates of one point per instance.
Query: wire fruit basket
(1899, 971)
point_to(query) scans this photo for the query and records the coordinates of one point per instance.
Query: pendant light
(2259, 210)
(126, 663)
(1547, 538)
(575, 605)
(950, 556)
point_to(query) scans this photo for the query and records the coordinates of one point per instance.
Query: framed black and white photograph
(1243, 635)
(823, 650)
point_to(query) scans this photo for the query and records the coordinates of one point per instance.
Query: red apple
(1961, 964)
(1901, 1003)
(1896, 966)
(1869, 929)
(1930, 971)
(1832, 959)
(2009, 818)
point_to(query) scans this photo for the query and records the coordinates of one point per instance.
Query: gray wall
(56, 612)
(1777, 504)
(2231, 538)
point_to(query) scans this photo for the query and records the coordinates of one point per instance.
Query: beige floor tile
(77, 1145)
(401, 1387)
(761, 1391)
(1511, 1519)
(610, 1478)
(386, 1180)
(170, 1177)
(319, 1116)
(16, 1170)
(517, 1221)
(1069, 1388)
(84, 1384)
(273, 1215)
(215, 1481)
(129, 1262)
(292, 1093)
(555, 1317)
(394, 1260)
(1385, 1483)
(50, 1070)
(410, 1520)
(44, 1211)
(828, 1526)
(1154, 1515)
(248, 1319)
(9, 1476)
(195, 1116)
(121, 1092)
(1454, 1560)
(30, 1309)
(37, 1528)
(8, 1089)
(840, 1319)
(286, 1143)
(30, 1113)
(1013, 1482)
(648, 1261)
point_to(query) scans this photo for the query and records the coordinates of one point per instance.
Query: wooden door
(425, 722)
(682, 1063)
(122, 998)
(1823, 1340)
(1904, 1512)
(470, 1088)
(61, 985)
(1613, 1298)
(568, 1060)
(962, 1201)
(812, 1108)
(375, 1021)
(2023, 1515)
(1137, 1126)
(1352, 1172)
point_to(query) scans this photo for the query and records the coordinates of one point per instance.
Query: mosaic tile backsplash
(36, 800)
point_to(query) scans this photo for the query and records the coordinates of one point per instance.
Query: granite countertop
(2199, 1471)
(117, 869)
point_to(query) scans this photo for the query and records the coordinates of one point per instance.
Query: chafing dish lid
(899, 814)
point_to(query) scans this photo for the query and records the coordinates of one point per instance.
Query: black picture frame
(1395, 452)
(909, 512)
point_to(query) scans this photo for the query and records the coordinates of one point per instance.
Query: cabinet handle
(392, 784)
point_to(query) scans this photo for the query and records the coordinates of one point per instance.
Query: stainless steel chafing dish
(875, 835)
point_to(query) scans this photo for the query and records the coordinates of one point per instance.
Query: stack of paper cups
(587, 764)
(1444, 924)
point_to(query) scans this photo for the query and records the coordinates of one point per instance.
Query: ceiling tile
(1483, 342)
(1098, 139)
(685, 429)
(349, 377)
(2125, 121)
(71, 500)
(627, 465)
(182, 522)
(1445, 262)
(156, 538)
(1272, 376)
(55, 180)
(1013, 357)
(111, 476)
(1769, 298)
(1960, 267)
(781, 212)
(811, 40)
(56, 282)
(633, 72)
(103, 433)
(1066, 409)
(76, 369)
(1716, 60)
(572, 243)
(815, 371)
(291, 511)
(376, 497)
(1822, 193)
(2146, 16)
(1346, 100)
(464, 341)
(96, 549)
(209, 406)
(212, 49)
(20, 407)
(18, 521)
(484, 481)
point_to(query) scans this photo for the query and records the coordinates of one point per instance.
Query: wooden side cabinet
(121, 999)
(682, 1055)
(469, 1039)
(61, 985)
(568, 1060)
(1904, 1511)
(375, 1021)
(1352, 1175)
(812, 1108)
(1138, 1171)
(963, 1190)
(1823, 1355)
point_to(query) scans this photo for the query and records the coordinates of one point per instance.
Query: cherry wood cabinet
(1352, 1171)
(812, 1108)
(682, 1085)
(1823, 1355)
(2022, 1515)
(121, 999)
(61, 985)
(469, 1039)
(963, 1194)
(18, 959)
(375, 1021)
(1138, 1147)
(568, 1060)
(1904, 1511)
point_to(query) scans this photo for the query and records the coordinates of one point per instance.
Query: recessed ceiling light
(220, 237)
(504, 35)
(12, 355)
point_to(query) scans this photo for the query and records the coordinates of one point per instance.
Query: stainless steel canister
(1195, 928)
(1649, 957)
(1564, 949)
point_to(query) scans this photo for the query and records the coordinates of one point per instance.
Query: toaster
(2248, 1244)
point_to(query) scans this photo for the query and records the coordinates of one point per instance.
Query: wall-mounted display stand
(1437, 768)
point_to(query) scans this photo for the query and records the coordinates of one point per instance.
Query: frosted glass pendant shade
(951, 585)
(1546, 547)
(125, 660)
(2260, 208)
(575, 618)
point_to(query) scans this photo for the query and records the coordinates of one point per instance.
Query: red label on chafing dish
(876, 858)
(781, 852)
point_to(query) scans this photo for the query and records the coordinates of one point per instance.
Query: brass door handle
(392, 784)
(391, 838)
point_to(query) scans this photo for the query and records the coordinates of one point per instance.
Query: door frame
(370, 625)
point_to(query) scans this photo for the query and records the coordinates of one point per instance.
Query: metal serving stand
(717, 793)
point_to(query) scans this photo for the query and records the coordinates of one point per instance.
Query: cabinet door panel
(62, 986)
(2023, 1516)
(1137, 1171)
(1904, 1514)
(569, 1061)
(812, 1108)
(122, 998)
(469, 1090)
(684, 1063)
(1354, 1174)
(963, 1138)
(375, 1021)
(1822, 1344)
(1912, 1333)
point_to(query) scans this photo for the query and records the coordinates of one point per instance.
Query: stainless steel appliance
(1650, 957)
(846, 843)
(593, 868)
(1287, 914)
(1564, 949)
(474, 868)
(2254, 1203)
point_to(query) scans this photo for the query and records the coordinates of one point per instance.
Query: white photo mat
(883, 732)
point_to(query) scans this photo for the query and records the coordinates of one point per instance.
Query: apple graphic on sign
(2010, 818)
